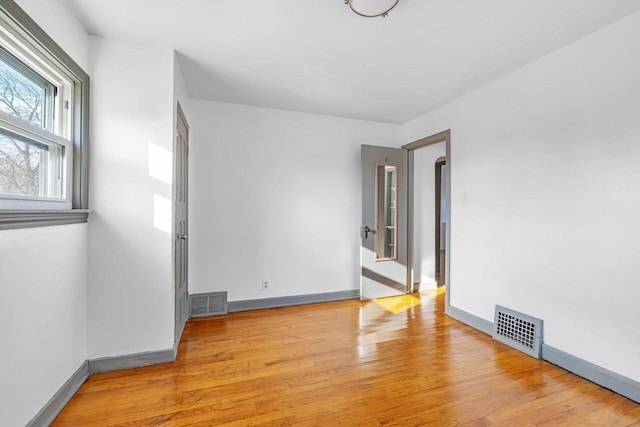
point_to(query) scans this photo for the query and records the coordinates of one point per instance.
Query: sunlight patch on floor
(396, 305)
(433, 292)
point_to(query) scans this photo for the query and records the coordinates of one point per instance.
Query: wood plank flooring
(396, 362)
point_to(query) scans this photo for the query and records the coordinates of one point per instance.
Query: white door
(181, 197)
(383, 259)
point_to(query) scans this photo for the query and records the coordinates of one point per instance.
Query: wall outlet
(266, 285)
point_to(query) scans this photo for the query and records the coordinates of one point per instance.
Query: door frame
(444, 136)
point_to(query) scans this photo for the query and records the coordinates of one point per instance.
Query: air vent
(213, 304)
(518, 330)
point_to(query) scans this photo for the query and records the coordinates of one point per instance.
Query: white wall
(43, 308)
(275, 195)
(42, 316)
(59, 22)
(424, 254)
(547, 158)
(130, 297)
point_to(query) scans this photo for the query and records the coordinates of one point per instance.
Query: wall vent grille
(212, 304)
(518, 330)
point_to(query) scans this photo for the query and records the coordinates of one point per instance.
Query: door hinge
(66, 105)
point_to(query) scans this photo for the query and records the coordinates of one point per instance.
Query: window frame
(78, 176)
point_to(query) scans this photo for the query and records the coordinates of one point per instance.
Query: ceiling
(317, 56)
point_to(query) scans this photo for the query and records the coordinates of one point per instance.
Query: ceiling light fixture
(371, 14)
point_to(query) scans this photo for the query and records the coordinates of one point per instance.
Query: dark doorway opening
(440, 225)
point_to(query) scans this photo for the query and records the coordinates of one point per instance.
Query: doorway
(382, 271)
(416, 170)
(426, 213)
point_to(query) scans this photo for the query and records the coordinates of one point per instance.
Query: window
(43, 127)
(32, 158)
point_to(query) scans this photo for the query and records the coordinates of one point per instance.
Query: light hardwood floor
(400, 363)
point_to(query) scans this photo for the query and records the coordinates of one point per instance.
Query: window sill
(13, 219)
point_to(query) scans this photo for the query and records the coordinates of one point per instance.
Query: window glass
(29, 168)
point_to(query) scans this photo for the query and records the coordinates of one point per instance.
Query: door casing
(444, 136)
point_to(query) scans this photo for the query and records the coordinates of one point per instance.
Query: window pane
(386, 216)
(29, 168)
(20, 96)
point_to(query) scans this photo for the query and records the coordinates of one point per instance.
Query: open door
(383, 253)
